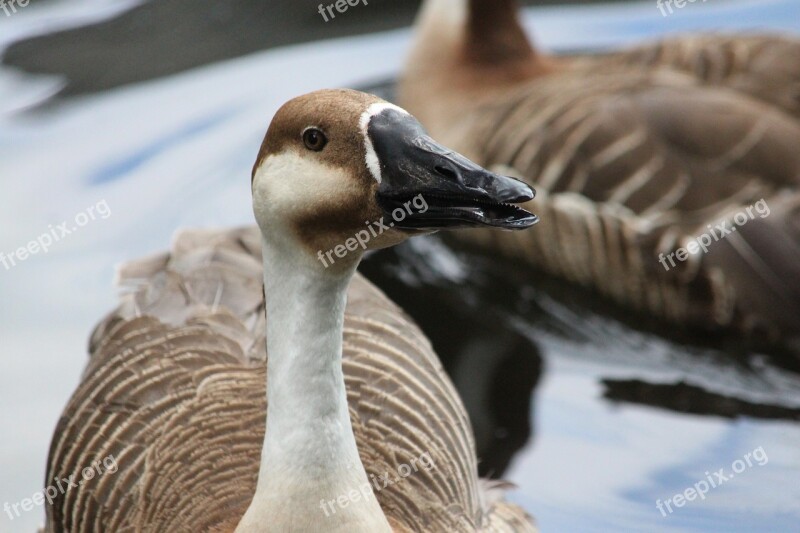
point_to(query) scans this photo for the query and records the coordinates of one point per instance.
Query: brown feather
(175, 391)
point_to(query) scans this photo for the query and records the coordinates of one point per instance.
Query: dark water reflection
(483, 316)
(682, 397)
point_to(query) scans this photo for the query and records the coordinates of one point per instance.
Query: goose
(638, 157)
(346, 422)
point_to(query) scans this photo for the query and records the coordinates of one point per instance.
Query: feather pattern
(175, 390)
(765, 67)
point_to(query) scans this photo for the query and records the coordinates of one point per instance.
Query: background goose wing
(175, 391)
(630, 165)
(765, 67)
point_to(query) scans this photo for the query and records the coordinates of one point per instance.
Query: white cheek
(288, 184)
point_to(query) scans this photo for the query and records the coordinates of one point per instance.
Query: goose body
(634, 154)
(346, 422)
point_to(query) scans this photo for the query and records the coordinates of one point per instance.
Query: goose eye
(314, 139)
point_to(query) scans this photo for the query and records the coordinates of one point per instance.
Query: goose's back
(174, 391)
(765, 67)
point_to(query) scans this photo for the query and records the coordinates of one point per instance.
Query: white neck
(309, 459)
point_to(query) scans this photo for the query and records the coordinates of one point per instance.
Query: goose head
(340, 168)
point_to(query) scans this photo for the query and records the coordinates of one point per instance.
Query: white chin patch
(373, 164)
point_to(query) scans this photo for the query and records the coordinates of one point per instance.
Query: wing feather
(174, 391)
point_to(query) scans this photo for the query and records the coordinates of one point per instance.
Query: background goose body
(634, 154)
(765, 67)
(179, 385)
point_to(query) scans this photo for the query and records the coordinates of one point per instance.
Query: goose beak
(438, 188)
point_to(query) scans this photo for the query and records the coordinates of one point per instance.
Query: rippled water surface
(593, 415)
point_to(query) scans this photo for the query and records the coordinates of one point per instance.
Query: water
(593, 416)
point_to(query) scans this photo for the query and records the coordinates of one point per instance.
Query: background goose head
(340, 168)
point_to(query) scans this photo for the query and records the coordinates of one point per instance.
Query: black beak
(437, 188)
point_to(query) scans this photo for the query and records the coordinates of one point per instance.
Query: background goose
(175, 386)
(634, 155)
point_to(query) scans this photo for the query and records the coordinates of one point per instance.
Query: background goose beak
(437, 187)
